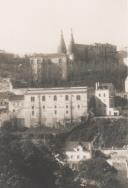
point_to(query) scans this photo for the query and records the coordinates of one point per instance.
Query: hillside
(106, 132)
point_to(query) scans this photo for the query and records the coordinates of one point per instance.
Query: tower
(71, 49)
(62, 47)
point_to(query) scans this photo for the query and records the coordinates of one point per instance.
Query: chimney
(96, 85)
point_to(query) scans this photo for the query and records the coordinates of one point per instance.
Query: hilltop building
(53, 107)
(5, 85)
(5, 91)
(48, 67)
(104, 95)
(77, 152)
(56, 107)
(16, 108)
(83, 52)
(74, 59)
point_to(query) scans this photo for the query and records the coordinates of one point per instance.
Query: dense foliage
(98, 173)
(24, 165)
(27, 164)
(105, 132)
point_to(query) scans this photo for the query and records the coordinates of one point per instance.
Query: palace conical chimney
(62, 46)
(72, 44)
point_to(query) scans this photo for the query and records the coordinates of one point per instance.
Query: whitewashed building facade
(51, 107)
(104, 95)
(77, 152)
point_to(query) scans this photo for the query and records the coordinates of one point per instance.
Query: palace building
(50, 66)
(53, 107)
(74, 58)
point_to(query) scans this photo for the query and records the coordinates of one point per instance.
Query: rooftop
(14, 97)
(104, 85)
(58, 89)
(5, 95)
(51, 55)
(70, 145)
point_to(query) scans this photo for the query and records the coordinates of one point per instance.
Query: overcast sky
(34, 25)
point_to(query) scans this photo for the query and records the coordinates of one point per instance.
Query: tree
(24, 165)
(98, 173)
(66, 178)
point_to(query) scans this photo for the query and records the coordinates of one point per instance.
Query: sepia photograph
(64, 94)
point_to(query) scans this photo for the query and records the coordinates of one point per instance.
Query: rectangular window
(78, 97)
(38, 61)
(125, 96)
(32, 113)
(55, 98)
(32, 99)
(66, 97)
(43, 98)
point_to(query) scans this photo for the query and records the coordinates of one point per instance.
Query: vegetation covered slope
(105, 132)
(24, 164)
